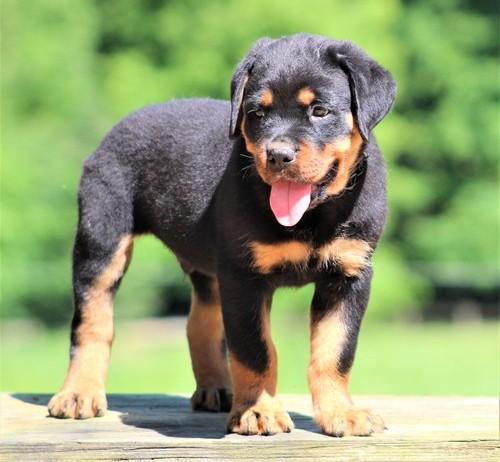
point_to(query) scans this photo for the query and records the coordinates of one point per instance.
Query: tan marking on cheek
(349, 120)
(305, 156)
(266, 98)
(352, 255)
(328, 386)
(268, 256)
(346, 154)
(258, 152)
(310, 165)
(305, 96)
(205, 332)
(342, 144)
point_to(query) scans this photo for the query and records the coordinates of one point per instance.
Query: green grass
(419, 359)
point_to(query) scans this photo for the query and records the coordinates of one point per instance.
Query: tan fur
(327, 385)
(82, 394)
(346, 154)
(305, 96)
(205, 332)
(258, 152)
(312, 165)
(248, 385)
(342, 144)
(266, 98)
(349, 120)
(352, 255)
(268, 256)
(256, 409)
(334, 411)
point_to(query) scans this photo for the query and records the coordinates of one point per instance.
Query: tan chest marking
(268, 256)
(352, 255)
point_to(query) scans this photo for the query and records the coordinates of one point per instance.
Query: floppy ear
(373, 89)
(238, 83)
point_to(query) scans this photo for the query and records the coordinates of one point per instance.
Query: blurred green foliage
(451, 359)
(70, 70)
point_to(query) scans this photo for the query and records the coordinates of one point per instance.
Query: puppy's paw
(212, 399)
(73, 404)
(349, 421)
(263, 418)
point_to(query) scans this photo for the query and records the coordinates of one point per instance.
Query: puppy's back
(168, 159)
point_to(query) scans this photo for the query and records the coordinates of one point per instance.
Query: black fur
(172, 171)
(203, 286)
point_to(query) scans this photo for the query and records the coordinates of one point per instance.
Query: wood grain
(162, 427)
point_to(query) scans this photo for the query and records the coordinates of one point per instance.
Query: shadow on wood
(162, 427)
(169, 415)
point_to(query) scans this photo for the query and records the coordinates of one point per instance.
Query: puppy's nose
(280, 156)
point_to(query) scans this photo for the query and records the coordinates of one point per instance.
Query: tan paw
(349, 421)
(266, 418)
(78, 404)
(212, 399)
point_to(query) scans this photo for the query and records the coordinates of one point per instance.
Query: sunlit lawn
(152, 356)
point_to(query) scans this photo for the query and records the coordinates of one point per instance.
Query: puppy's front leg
(256, 410)
(336, 314)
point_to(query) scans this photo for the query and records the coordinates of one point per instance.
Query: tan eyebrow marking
(266, 98)
(305, 96)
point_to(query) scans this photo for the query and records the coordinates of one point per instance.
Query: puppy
(295, 195)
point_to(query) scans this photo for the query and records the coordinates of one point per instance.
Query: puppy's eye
(259, 113)
(319, 111)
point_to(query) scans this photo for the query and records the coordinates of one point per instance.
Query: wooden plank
(162, 427)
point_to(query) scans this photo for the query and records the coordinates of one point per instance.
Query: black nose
(280, 157)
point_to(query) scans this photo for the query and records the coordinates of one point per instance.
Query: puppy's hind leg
(207, 346)
(101, 254)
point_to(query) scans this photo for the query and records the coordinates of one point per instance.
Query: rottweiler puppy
(295, 195)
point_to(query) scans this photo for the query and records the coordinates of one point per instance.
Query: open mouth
(290, 200)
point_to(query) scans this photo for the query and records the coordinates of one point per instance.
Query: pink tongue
(289, 201)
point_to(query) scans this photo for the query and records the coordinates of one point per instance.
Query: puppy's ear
(238, 84)
(373, 89)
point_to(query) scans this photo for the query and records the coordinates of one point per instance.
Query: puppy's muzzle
(280, 155)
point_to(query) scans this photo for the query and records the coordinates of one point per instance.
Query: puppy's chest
(346, 255)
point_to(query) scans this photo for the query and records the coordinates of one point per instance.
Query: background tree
(70, 70)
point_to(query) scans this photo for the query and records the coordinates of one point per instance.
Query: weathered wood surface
(162, 427)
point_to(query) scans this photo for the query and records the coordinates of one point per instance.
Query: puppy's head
(304, 106)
